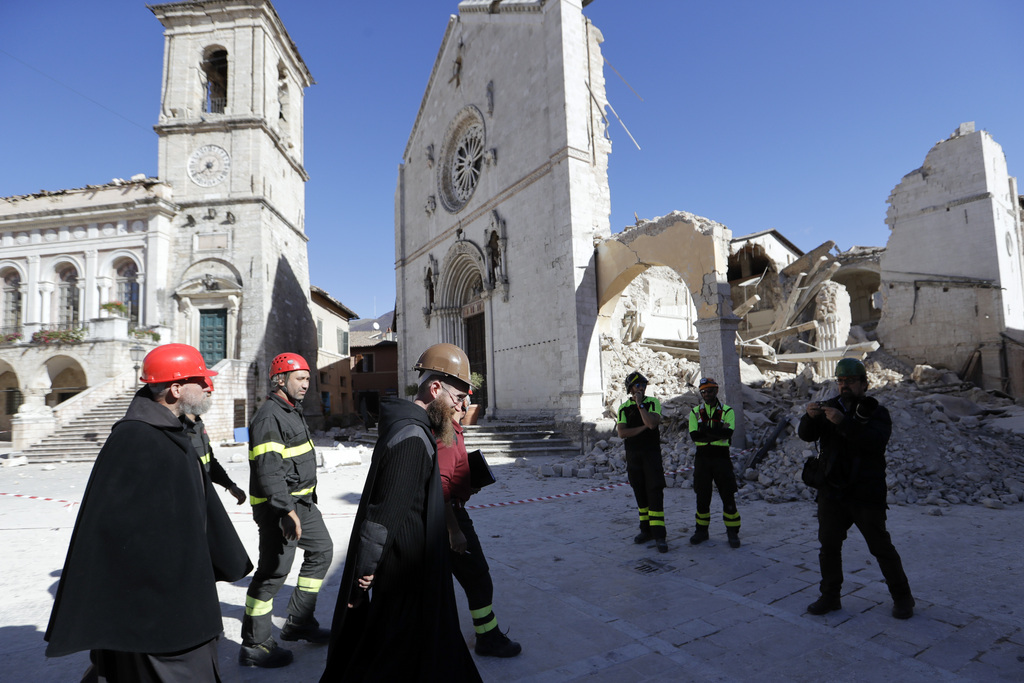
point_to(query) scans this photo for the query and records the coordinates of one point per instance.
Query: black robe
(409, 628)
(151, 539)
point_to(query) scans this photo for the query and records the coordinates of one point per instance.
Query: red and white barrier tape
(70, 503)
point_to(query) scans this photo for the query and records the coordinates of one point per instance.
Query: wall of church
(522, 78)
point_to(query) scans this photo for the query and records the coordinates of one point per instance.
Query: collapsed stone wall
(951, 443)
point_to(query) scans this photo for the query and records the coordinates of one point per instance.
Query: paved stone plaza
(588, 604)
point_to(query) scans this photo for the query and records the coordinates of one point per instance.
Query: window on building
(67, 296)
(325, 400)
(215, 70)
(325, 378)
(341, 382)
(239, 413)
(343, 342)
(11, 322)
(320, 334)
(365, 363)
(12, 401)
(128, 288)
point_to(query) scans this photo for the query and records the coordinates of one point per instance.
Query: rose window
(462, 160)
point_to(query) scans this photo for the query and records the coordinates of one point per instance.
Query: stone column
(45, 300)
(32, 299)
(91, 301)
(719, 360)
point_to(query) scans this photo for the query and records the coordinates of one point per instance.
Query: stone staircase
(512, 439)
(82, 438)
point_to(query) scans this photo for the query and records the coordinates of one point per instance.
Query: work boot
(662, 545)
(642, 537)
(903, 608)
(700, 534)
(266, 655)
(734, 537)
(494, 643)
(308, 630)
(824, 605)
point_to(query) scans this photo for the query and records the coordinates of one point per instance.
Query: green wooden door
(213, 336)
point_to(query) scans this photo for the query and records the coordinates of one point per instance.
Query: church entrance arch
(461, 307)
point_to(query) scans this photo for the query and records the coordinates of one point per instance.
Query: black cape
(150, 540)
(409, 628)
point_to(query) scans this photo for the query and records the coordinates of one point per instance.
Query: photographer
(853, 430)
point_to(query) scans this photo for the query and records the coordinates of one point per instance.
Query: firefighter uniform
(644, 468)
(196, 432)
(282, 466)
(711, 428)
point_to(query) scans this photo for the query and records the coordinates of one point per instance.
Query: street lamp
(137, 354)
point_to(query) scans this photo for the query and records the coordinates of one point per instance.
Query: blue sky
(798, 116)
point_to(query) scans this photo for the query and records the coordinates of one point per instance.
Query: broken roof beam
(851, 351)
(794, 329)
(745, 307)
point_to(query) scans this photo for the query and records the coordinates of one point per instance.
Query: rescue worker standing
(469, 566)
(638, 425)
(711, 426)
(853, 431)
(282, 486)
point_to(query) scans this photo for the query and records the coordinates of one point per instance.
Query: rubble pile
(951, 444)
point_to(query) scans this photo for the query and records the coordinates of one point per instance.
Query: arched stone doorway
(66, 378)
(209, 300)
(10, 399)
(461, 308)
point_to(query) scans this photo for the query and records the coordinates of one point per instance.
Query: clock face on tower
(208, 165)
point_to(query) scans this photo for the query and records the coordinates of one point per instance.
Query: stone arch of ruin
(698, 250)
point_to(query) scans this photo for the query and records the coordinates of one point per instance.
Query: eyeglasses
(459, 399)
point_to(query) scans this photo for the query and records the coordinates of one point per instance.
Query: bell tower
(230, 135)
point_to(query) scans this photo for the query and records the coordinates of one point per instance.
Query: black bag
(480, 474)
(815, 472)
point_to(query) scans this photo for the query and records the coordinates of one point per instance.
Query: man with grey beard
(396, 618)
(192, 407)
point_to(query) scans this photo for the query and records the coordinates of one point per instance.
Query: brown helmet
(447, 359)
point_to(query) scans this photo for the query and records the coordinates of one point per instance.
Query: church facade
(211, 252)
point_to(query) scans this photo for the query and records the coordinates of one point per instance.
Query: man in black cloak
(396, 618)
(151, 539)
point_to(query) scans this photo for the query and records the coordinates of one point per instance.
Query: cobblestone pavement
(586, 603)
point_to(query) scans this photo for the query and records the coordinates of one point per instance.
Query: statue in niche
(430, 155)
(494, 275)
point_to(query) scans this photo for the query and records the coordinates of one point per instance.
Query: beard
(195, 405)
(440, 414)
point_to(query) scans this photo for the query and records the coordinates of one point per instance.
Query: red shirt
(453, 463)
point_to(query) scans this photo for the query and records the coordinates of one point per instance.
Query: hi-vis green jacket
(282, 460)
(712, 425)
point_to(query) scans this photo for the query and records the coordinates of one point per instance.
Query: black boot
(642, 537)
(824, 605)
(494, 643)
(308, 630)
(734, 537)
(700, 534)
(266, 655)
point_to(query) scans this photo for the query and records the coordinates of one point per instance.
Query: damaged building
(503, 244)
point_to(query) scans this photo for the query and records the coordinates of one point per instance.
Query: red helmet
(287, 362)
(172, 362)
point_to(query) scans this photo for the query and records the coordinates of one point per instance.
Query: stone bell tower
(231, 146)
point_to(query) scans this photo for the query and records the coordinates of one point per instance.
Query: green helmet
(851, 367)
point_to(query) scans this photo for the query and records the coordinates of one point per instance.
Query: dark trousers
(471, 571)
(834, 519)
(714, 470)
(197, 664)
(647, 479)
(276, 557)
